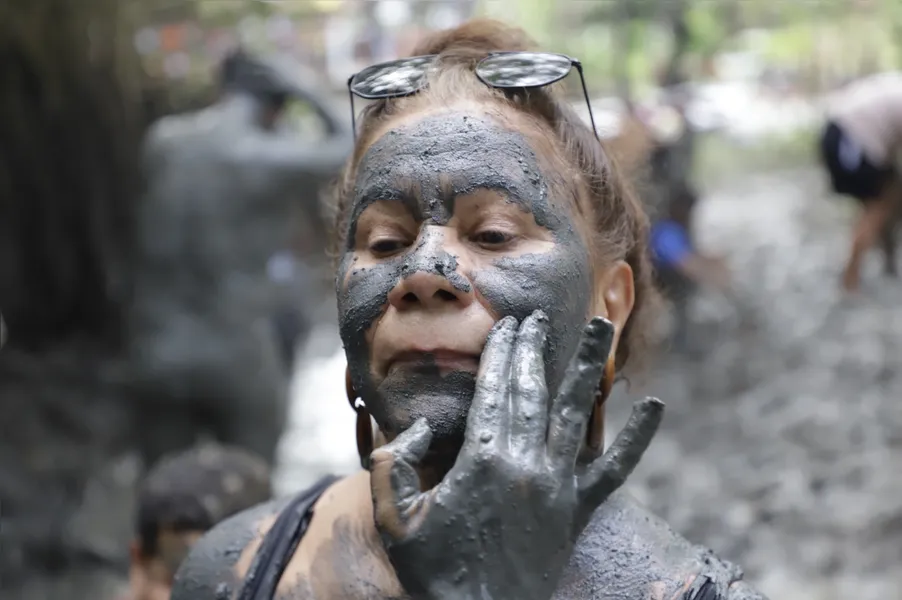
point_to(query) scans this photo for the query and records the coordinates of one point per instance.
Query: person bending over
(858, 148)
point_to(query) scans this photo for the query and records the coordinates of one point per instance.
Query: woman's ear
(615, 295)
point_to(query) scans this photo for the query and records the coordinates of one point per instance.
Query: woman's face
(452, 228)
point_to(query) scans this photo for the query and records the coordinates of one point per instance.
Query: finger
(492, 387)
(573, 404)
(529, 393)
(608, 472)
(394, 482)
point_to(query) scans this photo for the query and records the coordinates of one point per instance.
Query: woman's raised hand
(503, 522)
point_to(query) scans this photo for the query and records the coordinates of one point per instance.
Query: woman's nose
(429, 290)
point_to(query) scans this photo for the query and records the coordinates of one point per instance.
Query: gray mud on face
(781, 443)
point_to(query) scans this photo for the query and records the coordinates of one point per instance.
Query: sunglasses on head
(502, 70)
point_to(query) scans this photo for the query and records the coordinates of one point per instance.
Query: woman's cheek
(361, 302)
(558, 282)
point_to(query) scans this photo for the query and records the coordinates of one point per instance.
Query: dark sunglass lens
(523, 69)
(396, 78)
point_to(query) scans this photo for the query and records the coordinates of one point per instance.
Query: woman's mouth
(446, 361)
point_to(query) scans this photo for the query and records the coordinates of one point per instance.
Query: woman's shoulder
(219, 561)
(628, 553)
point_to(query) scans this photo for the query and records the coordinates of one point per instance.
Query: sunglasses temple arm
(582, 80)
(353, 116)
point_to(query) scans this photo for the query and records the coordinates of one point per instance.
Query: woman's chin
(443, 400)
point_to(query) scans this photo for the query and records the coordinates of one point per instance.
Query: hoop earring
(595, 430)
(364, 429)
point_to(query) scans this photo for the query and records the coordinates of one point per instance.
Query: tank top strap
(280, 543)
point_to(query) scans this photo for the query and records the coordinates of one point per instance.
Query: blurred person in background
(292, 319)
(182, 496)
(858, 148)
(679, 266)
(673, 157)
(222, 185)
(671, 200)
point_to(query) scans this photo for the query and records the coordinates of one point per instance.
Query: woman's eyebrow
(406, 197)
(509, 194)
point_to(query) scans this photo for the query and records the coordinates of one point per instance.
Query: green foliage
(229, 12)
(706, 31)
(788, 44)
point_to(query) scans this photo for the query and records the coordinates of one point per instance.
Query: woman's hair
(615, 224)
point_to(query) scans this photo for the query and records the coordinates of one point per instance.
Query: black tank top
(280, 542)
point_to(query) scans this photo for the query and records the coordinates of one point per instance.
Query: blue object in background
(670, 243)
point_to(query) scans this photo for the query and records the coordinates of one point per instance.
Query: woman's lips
(445, 360)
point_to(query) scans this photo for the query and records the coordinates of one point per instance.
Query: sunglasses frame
(574, 64)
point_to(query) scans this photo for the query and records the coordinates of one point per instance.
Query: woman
(858, 148)
(479, 232)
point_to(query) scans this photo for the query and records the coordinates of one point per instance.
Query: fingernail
(652, 404)
(505, 323)
(540, 316)
(600, 327)
(599, 321)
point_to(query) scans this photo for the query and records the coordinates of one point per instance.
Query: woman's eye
(492, 238)
(387, 246)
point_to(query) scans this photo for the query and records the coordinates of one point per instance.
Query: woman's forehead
(430, 161)
(464, 116)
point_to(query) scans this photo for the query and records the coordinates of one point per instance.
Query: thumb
(394, 482)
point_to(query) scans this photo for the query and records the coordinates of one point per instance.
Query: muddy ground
(782, 444)
(783, 439)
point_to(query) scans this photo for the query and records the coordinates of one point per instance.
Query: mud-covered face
(451, 228)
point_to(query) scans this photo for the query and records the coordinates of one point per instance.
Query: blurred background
(782, 443)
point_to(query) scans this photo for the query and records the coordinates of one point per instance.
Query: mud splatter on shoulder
(352, 565)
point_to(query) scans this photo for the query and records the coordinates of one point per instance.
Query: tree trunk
(72, 121)
(674, 73)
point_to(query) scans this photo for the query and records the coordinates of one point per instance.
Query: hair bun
(475, 39)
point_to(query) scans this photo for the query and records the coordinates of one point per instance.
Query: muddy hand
(503, 522)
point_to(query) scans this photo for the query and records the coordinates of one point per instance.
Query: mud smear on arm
(351, 564)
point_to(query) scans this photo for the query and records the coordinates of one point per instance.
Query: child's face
(150, 578)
